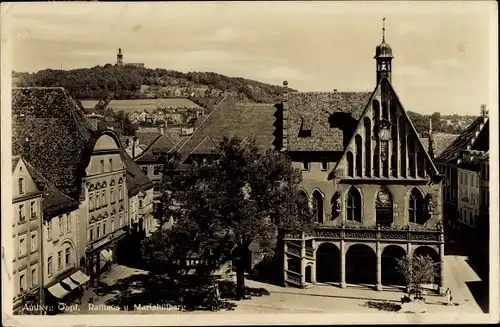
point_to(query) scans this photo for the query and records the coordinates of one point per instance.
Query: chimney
(284, 140)
(162, 129)
(484, 111)
(285, 91)
(134, 142)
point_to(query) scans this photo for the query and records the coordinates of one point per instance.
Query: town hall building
(377, 191)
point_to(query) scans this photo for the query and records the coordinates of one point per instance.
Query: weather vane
(383, 29)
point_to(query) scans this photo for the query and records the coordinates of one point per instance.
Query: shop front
(102, 254)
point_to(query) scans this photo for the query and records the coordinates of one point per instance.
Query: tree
(437, 124)
(417, 270)
(239, 196)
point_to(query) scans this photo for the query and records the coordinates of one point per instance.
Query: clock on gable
(384, 130)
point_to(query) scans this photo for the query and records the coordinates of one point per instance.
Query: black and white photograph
(253, 162)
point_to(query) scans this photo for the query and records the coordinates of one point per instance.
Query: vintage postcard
(261, 162)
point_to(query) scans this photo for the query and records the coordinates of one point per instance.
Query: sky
(443, 50)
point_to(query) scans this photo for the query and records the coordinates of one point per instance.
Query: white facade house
(468, 196)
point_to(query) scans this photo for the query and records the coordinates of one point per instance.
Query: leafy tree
(240, 196)
(417, 270)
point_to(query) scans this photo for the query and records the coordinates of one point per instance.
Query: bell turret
(383, 56)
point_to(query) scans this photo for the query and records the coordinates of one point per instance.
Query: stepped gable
(54, 201)
(328, 117)
(51, 132)
(231, 119)
(466, 141)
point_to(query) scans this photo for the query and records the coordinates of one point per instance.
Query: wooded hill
(128, 82)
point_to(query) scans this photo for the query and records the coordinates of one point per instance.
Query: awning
(106, 255)
(58, 291)
(70, 283)
(80, 277)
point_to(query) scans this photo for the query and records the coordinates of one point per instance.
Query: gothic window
(376, 161)
(375, 111)
(304, 198)
(394, 140)
(359, 156)
(411, 157)
(367, 146)
(402, 145)
(421, 164)
(383, 207)
(385, 111)
(350, 164)
(318, 206)
(335, 203)
(353, 205)
(416, 207)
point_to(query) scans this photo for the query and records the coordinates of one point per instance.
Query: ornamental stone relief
(393, 236)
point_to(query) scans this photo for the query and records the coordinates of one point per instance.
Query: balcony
(412, 234)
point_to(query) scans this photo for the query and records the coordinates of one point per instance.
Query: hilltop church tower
(119, 58)
(383, 56)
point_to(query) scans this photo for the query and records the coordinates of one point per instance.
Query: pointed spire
(383, 29)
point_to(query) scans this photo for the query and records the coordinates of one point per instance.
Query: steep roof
(330, 117)
(136, 180)
(466, 140)
(54, 201)
(162, 143)
(51, 132)
(147, 138)
(231, 119)
(440, 141)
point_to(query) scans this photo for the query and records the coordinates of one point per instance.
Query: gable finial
(383, 29)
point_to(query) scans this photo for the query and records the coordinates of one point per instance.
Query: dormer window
(305, 128)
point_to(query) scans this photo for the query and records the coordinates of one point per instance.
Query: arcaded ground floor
(342, 263)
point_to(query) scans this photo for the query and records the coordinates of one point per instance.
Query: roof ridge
(226, 97)
(209, 139)
(148, 147)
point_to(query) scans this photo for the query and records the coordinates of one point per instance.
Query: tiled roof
(231, 119)
(15, 160)
(440, 141)
(54, 201)
(136, 179)
(50, 131)
(146, 138)
(330, 118)
(465, 140)
(207, 146)
(162, 142)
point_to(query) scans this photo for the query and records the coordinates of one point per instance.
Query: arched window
(375, 111)
(353, 205)
(411, 157)
(304, 199)
(350, 164)
(421, 164)
(416, 207)
(335, 205)
(21, 185)
(368, 148)
(383, 207)
(318, 206)
(402, 145)
(385, 111)
(359, 156)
